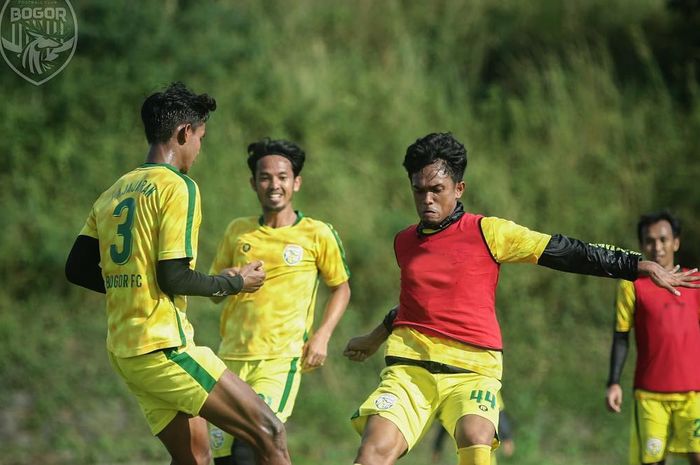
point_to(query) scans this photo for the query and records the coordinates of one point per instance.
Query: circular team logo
(292, 254)
(654, 446)
(216, 437)
(385, 401)
(483, 408)
(246, 247)
(38, 37)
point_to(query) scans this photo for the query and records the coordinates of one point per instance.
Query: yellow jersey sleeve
(330, 258)
(180, 216)
(512, 243)
(224, 252)
(90, 227)
(624, 307)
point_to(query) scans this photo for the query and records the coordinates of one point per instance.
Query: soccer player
(443, 351)
(667, 333)
(139, 247)
(267, 337)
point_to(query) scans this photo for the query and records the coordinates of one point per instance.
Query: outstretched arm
(618, 354)
(176, 278)
(315, 350)
(572, 255)
(360, 347)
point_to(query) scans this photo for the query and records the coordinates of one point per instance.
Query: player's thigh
(382, 442)
(169, 381)
(686, 425)
(407, 397)
(236, 409)
(469, 408)
(650, 426)
(275, 381)
(185, 438)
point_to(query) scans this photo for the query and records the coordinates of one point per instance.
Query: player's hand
(360, 347)
(253, 276)
(613, 398)
(314, 353)
(507, 447)
(666, 279)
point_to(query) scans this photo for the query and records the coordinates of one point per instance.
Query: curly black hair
(285, 148)
(163, 112)
(437, 147)
(648, 219)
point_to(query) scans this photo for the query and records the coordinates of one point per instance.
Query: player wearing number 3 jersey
(139, 247)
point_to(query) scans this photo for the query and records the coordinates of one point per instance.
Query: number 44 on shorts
(483, 397)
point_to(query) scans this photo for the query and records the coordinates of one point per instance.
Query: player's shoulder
(242, 224)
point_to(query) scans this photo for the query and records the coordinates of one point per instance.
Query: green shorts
(411, 397)
(276, 381)
(169, 381)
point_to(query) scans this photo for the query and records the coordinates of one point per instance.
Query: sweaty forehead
(432, 175)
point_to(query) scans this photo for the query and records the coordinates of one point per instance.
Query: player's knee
(377, 452)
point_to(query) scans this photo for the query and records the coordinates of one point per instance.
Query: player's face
(435, 193)
(659, 245)
(193, 145)
(275, 183)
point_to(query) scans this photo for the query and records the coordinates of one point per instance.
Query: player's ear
(184, 132)
(676, 244)
(252, 183)
(297, 183)
(460, 187)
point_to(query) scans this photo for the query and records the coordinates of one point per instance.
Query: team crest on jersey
(216, 437)
(292, 254)
(654, 446)
(385, 401)
(246, 247)
(38, 37)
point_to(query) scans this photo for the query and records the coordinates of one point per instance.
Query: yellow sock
(479, 454)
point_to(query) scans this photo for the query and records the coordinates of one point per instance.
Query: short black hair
(164, 111)
(285, 148)
(648, 219)
(437, 147)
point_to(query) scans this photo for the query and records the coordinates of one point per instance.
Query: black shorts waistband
(435, 368)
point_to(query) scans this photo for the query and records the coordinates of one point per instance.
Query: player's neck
(279, 219)
(162, 153)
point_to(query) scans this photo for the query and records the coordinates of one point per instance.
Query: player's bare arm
(359, 348)
(315, 350)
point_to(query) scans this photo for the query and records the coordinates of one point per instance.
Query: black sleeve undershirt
(618, 354)
(83, 264)
(176, 278)
(574, 256)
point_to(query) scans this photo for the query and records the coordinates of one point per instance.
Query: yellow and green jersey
(151, 213)
(276, 320)
(507, 242)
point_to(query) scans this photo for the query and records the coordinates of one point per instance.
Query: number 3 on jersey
(124, 230)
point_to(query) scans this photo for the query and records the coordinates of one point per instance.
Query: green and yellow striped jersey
(276, 320)
(151, 213)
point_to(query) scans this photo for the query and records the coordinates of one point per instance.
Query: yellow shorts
(169, 381)
(276, 381)
(411, 397)
(664, 423)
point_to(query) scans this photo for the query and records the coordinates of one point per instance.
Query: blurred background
(578, 116)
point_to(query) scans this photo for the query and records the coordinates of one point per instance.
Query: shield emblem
(38, 37)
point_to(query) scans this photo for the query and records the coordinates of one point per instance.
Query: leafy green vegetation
(578, 116)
